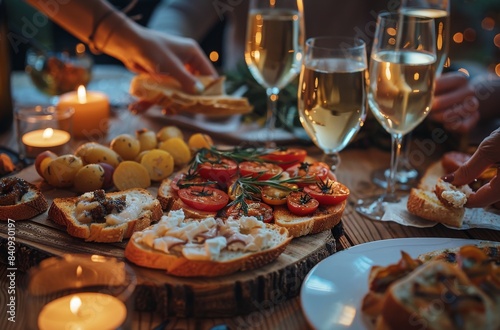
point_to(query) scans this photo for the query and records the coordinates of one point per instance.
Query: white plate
(332, 291)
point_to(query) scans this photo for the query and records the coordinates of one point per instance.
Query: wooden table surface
(355, 170)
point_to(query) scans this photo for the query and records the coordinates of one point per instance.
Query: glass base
(374, 207)
(406, 178)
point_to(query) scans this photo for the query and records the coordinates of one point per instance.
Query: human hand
(485, 156)
(153, 52)
(455, 105)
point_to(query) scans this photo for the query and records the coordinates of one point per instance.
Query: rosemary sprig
(248, 187)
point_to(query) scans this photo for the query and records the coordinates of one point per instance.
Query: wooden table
(355, 170)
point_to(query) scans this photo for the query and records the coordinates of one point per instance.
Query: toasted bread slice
(450, 195)
(95, 219)
(166, 195)
(234, 245)
(324, 218)
(412, 301)
(20, 200)
(166, 92)
(425, 204)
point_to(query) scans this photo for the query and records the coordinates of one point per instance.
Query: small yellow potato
(93, 152)
(159, 164)
(140, 155)
(169, 132)
(126, 145)
(178, 149)
(61, 171)
(199, 141)
(129, 174)
(89, 178)
(147, 139)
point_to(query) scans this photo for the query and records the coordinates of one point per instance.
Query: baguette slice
(425, 204)
(169, 244)
(20, 200)
(141, 209)
(166, 92)
(437, 296)
(322, 219)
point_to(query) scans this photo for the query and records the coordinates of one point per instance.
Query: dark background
(477, 50)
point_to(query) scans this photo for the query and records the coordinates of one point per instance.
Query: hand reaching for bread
(486, 155)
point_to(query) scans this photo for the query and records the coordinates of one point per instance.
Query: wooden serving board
(232, 295)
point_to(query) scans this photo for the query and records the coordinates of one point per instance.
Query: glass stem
(272, 103)
(396, 141)
(333, 160)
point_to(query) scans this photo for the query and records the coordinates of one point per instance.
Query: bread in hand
(437, 295)
(166, 92)
(20, 200)
(437, 200)
(324, 218)
(100, 217)
(206, 247)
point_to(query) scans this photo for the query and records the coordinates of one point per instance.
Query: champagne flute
(332, 93)
(401, 87)
(273, 51)
(439, 10)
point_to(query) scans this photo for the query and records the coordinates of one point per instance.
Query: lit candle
(91, 111)
(86, 310)
(40, 140)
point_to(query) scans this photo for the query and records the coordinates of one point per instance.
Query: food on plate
(42, 160)
(129, 174)
(206, 247)
(90, 177)
(166, 92)
(412, 302)
(435, 291)
(93, 152)
(178, 149)
(147, 139)
(438, 201)
(20, 200)
(381, 278)
(106, 217)
(238, 182)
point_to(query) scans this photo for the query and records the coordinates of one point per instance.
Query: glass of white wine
(332, 93)
(273, 50)
(439, 10)
(401, 87)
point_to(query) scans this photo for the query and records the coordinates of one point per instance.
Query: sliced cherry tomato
(259, 170)
(301, 203)
(328, 192)
(204, 198)
(219, 170)
(276, 196)
(188, 179)
(318, 170)
(256, 209)
(286, 158)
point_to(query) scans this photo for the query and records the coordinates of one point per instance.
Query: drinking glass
(401, 87)
(439, 10)
(273, 51)
(332, 93)
(58, 72)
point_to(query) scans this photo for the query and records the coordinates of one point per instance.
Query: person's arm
(108, 30)
(487, 91)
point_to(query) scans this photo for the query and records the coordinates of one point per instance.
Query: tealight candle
(45, 139)
(85, 310)
(91, 111)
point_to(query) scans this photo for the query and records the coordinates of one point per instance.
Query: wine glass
(332, 93)
(273, 51)
(400, 89)
(58, 72)
(439, 10)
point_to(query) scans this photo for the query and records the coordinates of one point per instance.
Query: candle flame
(74, 304)
(82, 94)
(47, 133)
(79, 271)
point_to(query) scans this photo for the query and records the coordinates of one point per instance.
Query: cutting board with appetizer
(225, 228)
